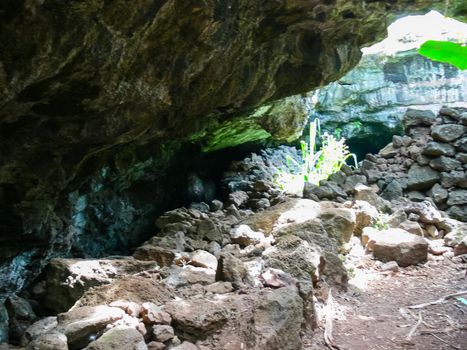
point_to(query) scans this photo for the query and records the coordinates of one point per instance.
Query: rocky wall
(97, 98)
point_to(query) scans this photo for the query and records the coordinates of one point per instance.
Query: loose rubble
(247, 273)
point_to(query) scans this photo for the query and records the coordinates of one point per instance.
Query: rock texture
(97, 98)
(366, 104)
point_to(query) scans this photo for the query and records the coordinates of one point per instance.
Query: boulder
(457, 197)
(120, 337)
(437, 149)
(232, 269)
(454, 178)
(444, 163)
(219, 287)
(198, 318)
(82, 324)
(245, 236)
(415, 117)
(368, 194)
(426, 212)
(352, 181)
(68, 279)
(422, 177)
(43, 326)
(461, 144)
(438, 193)
(461, 247)
(163, 333)
(20, 316)
(297, 257)
(154, 314)
(276, 278)
(398, 245)
(365, 215)
(278, 320)
(238, 198)
(339, 223)
(447, 132)
(181, 276)
(202, 258)
(49, 341)
(163, 256)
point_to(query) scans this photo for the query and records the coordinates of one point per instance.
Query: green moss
(234, 133)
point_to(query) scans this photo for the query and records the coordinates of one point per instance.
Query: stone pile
(245, 272)
(428, 163)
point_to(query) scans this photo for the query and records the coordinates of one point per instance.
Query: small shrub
(319, 165)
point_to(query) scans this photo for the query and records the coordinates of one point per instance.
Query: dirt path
(374, 313)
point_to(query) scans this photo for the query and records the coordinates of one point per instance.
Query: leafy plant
(445, 51)
(381, 222)
(333, 154)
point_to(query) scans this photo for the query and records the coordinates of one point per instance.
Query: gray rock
(444, 163)
(231, 269)
(185, 346)
(202, 258)
(68, 279)
(461, 144)
(120, 337)
(278, 320)
(163, 333)
(209, 230)
(20, 315)
(416, 196)
(216, 205)
(447, 132)
(392, 191)
(425, 212)
(457, 197)
(461, 248)
(436, 149)
(81, 324)
(398, 245)
(43, 326)
(154, 314)
(415, 117)
(238, 198)
(422, 177)
(49, 341)
(197, 318)
(438, 193)
(352, 181)
(462, 157)
(454, 178)
(458, 212)
(412, 227)
(450, 112)
(365, 193)
(390, 266)
(262, 203)
(245, 236)
(163, 256)
(339, 223)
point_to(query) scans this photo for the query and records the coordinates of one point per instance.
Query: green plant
(319, 165)
(381, 222)
(445, 51)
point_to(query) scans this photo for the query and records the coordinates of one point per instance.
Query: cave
(159, 187)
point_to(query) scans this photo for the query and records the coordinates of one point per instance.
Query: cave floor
(374, 313)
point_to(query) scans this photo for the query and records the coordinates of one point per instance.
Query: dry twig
(444, 341)
(415, 326)
(439, 301)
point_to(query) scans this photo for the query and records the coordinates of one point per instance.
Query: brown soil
(375, 315)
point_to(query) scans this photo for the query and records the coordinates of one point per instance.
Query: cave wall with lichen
(98, 99)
